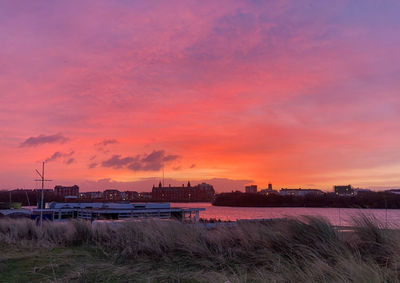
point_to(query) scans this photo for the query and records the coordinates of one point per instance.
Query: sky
(111, 94)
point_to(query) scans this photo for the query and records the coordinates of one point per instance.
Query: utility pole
(42, 180)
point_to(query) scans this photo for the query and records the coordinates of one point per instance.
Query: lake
(337, 216)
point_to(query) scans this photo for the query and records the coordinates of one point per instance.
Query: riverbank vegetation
(305, 249)
(361, 200)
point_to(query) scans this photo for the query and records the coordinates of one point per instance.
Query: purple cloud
(171, 158)
(117, 162)
(43, 139)
(147, 162)
(155, 156)
(55, 156)
(69, 161)
(92, 165)
(58, 155)
(106, 142)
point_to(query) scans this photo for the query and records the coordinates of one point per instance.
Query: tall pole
(163, 174)
(42, 180)
(29, 203)
(386, 220)
(41, 201)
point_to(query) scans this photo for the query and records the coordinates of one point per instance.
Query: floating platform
(15, 212)
(10, 205)
(56, 211)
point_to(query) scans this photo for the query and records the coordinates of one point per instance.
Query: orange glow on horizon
(228, 92)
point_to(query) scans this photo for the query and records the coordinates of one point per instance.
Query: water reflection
(337, 216)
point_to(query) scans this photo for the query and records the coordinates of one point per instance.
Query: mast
(29, 203)
(42, 180)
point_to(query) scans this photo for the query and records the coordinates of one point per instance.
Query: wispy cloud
(44, 139)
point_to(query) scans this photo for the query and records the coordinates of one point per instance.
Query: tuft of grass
(303, 248)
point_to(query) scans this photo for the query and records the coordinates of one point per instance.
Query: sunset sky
(296, 93)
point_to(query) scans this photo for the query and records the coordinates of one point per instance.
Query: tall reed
(303, 248)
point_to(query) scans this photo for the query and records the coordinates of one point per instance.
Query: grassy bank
(307, 249)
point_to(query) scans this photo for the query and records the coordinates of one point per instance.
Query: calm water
(337, 216)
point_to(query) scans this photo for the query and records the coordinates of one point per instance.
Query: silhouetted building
(66, 191)
(145, 196)
(112, 195)
(358, 191)
(201, 192)
(299, 192)
(344, 190)
(268, 192)
(44, 190)
(91, 195)
(252, 189)
(130, 195)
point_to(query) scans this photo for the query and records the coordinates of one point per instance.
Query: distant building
(393, 191)
(358, 191)
(201, 192)
(145, 196)
(44, 190)
(70, 198)
(344, 190)
(130, 195)
(252, 189)
(112, 195)
(66, 191)
(268, 191)
(299, 192)
(23, 190)
(91, 195)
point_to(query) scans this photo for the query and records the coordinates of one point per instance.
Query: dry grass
(306, 248)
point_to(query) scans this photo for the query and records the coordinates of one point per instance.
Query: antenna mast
(42, 180)
(163, 174)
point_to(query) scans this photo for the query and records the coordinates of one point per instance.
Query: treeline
(361, 200)
(28, 197)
